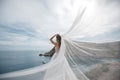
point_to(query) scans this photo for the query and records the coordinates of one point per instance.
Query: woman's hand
(56, 34)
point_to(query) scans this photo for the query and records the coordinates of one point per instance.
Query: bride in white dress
(57, 44)
(73, 58)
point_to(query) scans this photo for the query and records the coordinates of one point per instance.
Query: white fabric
(74, 58)
(95, 18)
(69, 63)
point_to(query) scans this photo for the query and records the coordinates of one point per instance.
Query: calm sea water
(18, 60)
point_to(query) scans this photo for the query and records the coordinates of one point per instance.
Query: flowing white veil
(75, 58)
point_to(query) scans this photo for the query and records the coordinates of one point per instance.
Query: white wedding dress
(68, 63)
(74, 57)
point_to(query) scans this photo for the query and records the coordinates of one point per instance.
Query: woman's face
(58, 38)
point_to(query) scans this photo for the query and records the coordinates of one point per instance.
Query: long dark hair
(58, 39)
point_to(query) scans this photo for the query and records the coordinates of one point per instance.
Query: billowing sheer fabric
(70, 63)
(76, 58)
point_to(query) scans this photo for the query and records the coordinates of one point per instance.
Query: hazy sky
(28, 24)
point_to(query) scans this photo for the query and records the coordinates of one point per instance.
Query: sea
(18, 60)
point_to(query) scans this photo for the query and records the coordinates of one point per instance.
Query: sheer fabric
(70, 63)
(76, 58)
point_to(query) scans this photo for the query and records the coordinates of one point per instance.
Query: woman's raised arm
(51, 39)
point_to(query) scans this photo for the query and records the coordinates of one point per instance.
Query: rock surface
(109, 71)
(49, 54)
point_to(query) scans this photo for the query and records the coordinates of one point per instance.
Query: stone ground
(109, 71)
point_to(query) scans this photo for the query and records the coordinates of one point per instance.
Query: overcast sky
(28, 24)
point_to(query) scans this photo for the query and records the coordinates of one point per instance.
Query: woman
(57, 44)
